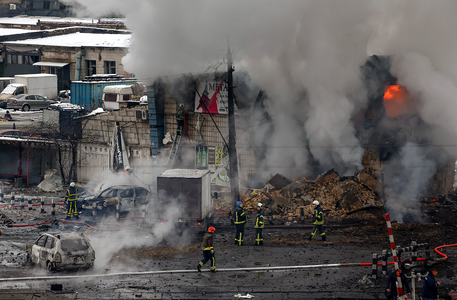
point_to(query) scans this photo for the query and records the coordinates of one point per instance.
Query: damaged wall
(202, 130)
(94, 152)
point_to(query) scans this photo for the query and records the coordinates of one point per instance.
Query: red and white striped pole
(394, 254)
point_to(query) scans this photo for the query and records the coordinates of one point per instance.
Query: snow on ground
(34, 115)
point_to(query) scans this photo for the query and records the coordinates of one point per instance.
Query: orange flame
(396, 100)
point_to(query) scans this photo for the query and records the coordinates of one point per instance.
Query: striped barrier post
(384, 262)
(94, 209)
(414, 251)
(12, 199)
(374, 266)
(117, 212)
(29, 202)
(1, 194)
(21, 199)
(394, 254)
(427, 251)
(42, 205)
(302, 214)
(53, 207)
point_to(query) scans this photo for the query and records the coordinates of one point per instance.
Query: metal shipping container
(190, 189)
(89, 93)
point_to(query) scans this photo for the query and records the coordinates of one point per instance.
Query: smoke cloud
(306, 57)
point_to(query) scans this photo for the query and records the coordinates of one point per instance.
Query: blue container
(156, 118)
(88, 94)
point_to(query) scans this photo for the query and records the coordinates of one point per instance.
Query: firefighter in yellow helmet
(71, 198)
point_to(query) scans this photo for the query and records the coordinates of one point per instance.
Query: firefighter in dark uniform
(208, 250)
(259, 224)
(240, 220)
(180, 113)
(71, 198)
(318, 221)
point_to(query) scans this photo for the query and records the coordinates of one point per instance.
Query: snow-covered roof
(79, 39)
(34, 20)
(11, 31)
(184, 173)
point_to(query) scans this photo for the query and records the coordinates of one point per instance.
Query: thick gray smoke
(306, 56)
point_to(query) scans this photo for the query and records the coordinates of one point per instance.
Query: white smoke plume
(306, 56)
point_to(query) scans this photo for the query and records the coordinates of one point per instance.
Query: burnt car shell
(128, 196)
(61, 251)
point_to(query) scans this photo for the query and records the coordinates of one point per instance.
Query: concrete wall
(94, 153)
(100, 55)
(210, 136)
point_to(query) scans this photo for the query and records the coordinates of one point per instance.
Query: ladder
(174, 151)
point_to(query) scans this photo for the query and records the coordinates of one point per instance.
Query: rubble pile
(290, 199)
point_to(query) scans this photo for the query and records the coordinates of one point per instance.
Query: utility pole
(233, 160)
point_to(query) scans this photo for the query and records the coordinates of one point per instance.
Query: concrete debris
(52, 181)
(279, 181)
(337, 195)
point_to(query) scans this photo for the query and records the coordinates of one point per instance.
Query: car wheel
(26, 107)
(50, 266)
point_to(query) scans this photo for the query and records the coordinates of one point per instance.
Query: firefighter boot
(324, 238)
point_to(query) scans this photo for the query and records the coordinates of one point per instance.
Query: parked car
(28, 102)
(128, 196)
(60, 251)
(18, 133)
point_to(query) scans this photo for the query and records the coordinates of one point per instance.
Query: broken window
(41, 241)
(49, 243)
(128, 193)
(91, 67)
(109, 194)
(110, 67)
(74, 245)
(141, 192)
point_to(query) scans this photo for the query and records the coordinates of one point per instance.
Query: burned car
(61, 251)
(129, 197)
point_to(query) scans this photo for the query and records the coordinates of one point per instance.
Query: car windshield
(74, 245)
(9, 90)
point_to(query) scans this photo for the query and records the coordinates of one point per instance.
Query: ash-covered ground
(147, 246)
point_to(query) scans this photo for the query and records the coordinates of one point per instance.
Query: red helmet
(211, 229)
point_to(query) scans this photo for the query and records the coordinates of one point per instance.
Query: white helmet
(315, 202)
(259, 205)
(72, 184)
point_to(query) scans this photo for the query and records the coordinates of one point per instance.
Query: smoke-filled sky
(306, 56)
(289, 47)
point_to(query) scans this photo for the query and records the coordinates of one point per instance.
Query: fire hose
(249, 269)
(25, 205)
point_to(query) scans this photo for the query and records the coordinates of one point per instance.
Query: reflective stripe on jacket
(259, 220)
(318, 215)
(72, 194)
(207, 243)
(240, 217)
